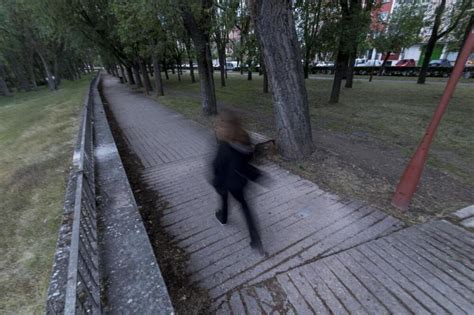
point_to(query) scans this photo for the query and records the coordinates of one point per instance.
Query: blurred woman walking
(232, 170)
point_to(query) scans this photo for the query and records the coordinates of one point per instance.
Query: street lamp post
(411, 176)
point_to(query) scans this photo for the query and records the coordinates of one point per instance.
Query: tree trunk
(221, 53)
(158, 81)
(191, 71)
(222, 66)
(262, 69)
(274, 23)
(150, 70)
(112, 70)
(201, 42)
(122, 72)
(206, 79)
(131, 79)
(307, 44)
(350, 70)
(71, 71)
(426, 61)
(265, 77)
(384, 63)
(178, 70)
(372, 71)
(146, 78)
(57, 79)
(136, 72)
(47, 71)
(306, 68)
(20, 75)
(431, 42)
(312, 42)
(190, 57)
(165, 66)
(31, 70)
(238, 63)
(70, 75)
(249, 73)
(76, 69)
(340, 72)
(4, 91)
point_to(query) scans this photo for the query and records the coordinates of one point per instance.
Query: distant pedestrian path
(326, 254)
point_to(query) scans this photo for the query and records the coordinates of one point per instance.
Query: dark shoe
(257, 245)
(220, 218)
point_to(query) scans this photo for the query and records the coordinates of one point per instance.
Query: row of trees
(36, 49)
(161, 32)
(136, 39)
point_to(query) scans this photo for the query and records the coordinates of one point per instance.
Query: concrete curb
(130, 274)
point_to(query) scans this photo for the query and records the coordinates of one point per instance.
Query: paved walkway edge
(131, 278)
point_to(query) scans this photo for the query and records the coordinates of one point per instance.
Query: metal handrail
(80, 292)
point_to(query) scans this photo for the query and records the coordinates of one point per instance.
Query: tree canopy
(42, 42)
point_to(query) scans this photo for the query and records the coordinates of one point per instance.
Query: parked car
(231, 65)
(324, 64)
(470, 61)
(360, 62)
(368, 63)
(440, 63)
(406, 63)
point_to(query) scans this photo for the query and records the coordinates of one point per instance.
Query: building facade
(415, 52)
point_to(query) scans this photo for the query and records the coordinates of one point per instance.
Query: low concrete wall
(130, 274)
(130, 278)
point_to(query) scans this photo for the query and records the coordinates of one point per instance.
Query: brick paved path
(325, 254)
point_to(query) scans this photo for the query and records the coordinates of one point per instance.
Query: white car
(360, 62)
(367, 63)
(231, 65)
(324, 64)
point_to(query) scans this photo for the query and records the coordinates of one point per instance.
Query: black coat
(231, 167)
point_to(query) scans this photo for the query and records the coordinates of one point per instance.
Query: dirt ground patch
(360, 168)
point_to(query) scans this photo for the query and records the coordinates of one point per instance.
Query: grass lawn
(394, 112)
(37, 134)
(377, 117)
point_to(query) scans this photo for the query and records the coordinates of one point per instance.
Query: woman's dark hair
(231, 128)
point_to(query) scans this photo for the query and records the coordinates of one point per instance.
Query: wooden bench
(261, 144)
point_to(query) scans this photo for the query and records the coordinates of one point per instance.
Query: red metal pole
(410, 178)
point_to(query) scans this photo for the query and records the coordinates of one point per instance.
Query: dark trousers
(239, 196)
